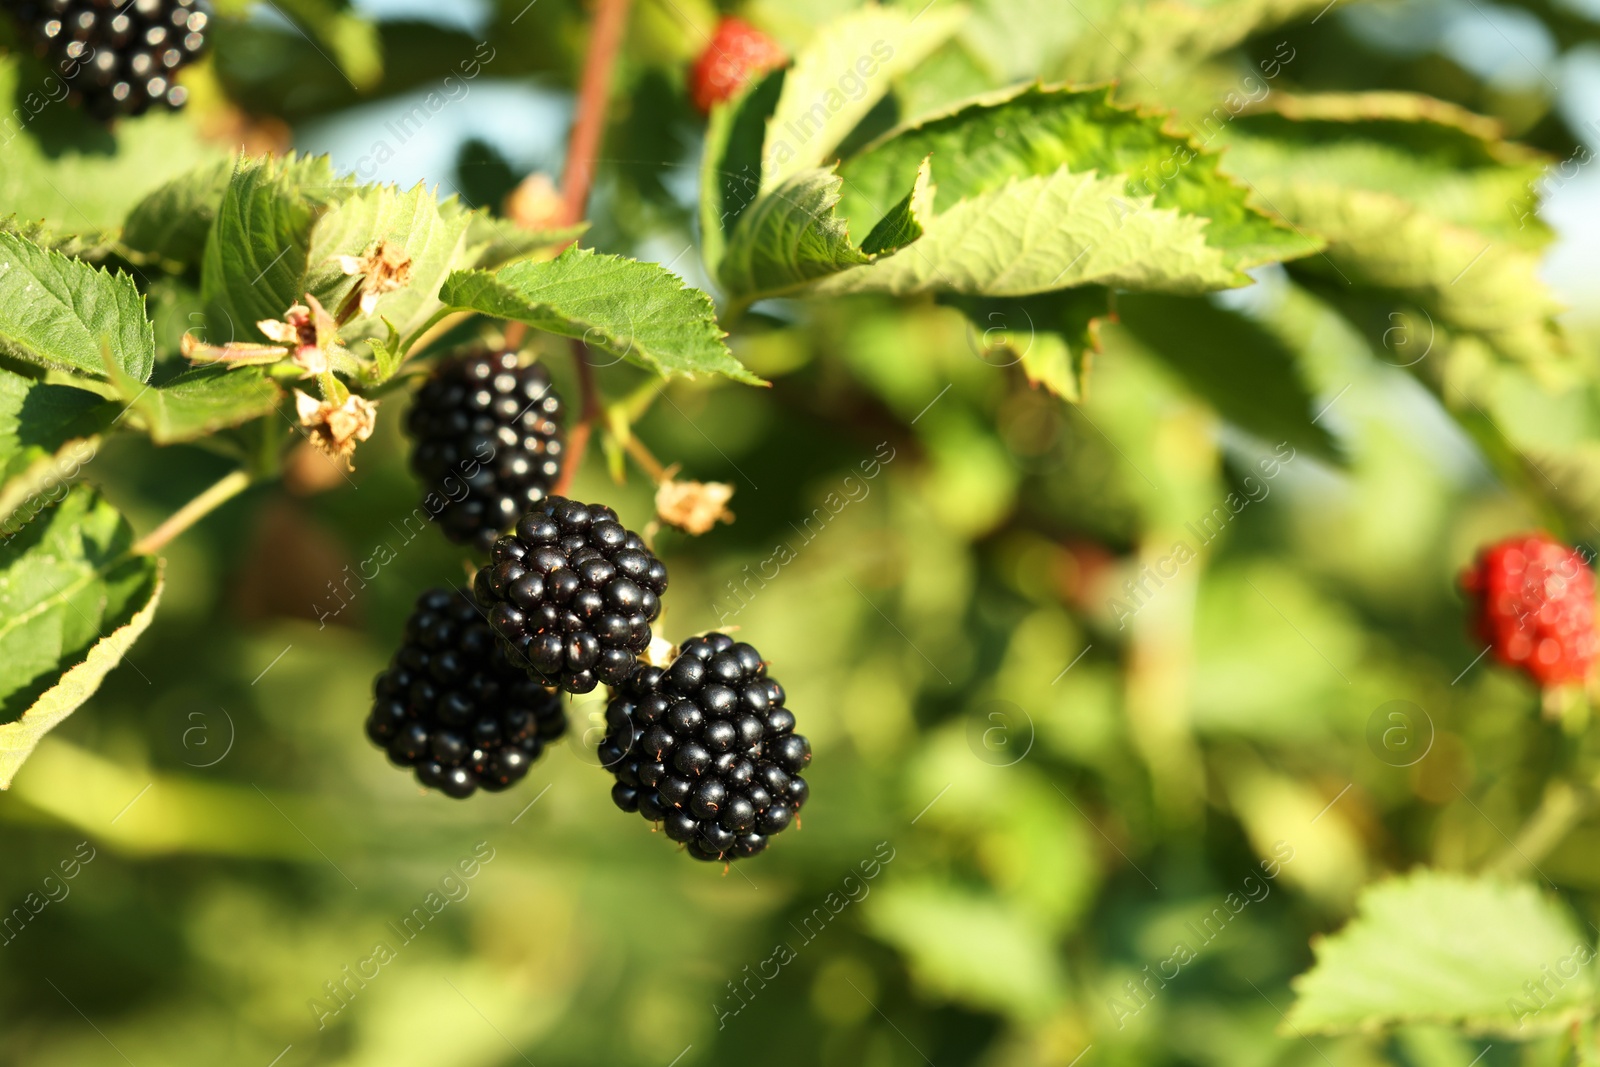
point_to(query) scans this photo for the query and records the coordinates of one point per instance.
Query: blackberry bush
(484, 422)
(452, 707)
(707, 748)
(119, 57)
(572, 594)
(1533, 604)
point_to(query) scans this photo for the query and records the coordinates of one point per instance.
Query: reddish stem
(583, 144)
(577, 177)
(578, 439)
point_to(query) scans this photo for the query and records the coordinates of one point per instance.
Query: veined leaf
(1121, 39)
(1436, 947)
(1246, 372)
(59, 312)
(494, 242)
(172, 223)
(255, 263)
(836, 79)
(636, 311)
(200, 402)
(412, 220)
(791, 236)
(1419, 202)
(988, 143)
(47, 433)
(72, 600)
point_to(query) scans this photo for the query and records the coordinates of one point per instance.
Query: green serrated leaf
(635, 311)
(985, 144)
(839, 76)
(72, 599)
(200, 402)
(1121, 39)
(173, 223)
(494, 242)
(47, 433)
(1245, 371)
(789, 237)
(412, 220)
(255, 262)
(1447, 948)
(61, 313)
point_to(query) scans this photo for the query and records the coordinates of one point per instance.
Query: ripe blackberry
(453, 708)
(572, 594)
(736, 53)
(707, 748)
(487, 442)
(118, 57)
(1533, 603)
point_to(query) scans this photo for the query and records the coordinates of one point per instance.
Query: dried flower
(309, 330)
(337, 429)
(384, 269)
(693, 506)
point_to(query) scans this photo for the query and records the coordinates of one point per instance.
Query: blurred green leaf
(1447, 948)
(173, 223)
(202, 401)
(1241, 368)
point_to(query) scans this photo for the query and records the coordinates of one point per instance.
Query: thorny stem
(192, 512)
(577, 176)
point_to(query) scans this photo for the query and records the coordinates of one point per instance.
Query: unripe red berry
(1533, 603)
(737, 53)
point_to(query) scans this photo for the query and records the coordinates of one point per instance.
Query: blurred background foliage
(1054, 774)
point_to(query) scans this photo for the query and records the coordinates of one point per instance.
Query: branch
(577, 177)
(578, 440)
(583, 145)
(192, 512)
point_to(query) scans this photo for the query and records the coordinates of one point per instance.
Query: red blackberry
(572, 594)
(453, 708)
(707, 748)
(736, 53)
(487, 442)
(1533, 602)
(118, 57)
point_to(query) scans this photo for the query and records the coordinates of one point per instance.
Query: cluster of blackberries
(572, 594)
(118, 57)
(452, 706)
(704, 747)
(487, 442)
(707, 748)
